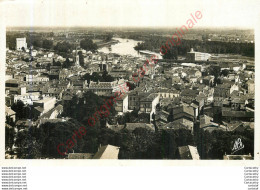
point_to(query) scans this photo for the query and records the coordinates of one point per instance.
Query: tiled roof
(9, 111)
(188, 152)
(107, 152)
(133, 126)
(185, 109)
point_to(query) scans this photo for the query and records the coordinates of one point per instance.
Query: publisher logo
(238, 145)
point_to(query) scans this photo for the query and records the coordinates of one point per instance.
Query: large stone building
(108, 88)
(197, 56)
(21, 43)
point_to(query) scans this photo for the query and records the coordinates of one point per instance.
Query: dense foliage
(63, 47)
(138, 144)
(154, 43)
(88, 45)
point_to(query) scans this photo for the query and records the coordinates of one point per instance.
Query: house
(161, 118)
(53, 113)
(148, 104)
(45, 104)
(183, 111)
(231, 115)
(107, 152)
(223, 91)
(122, 104)
(27, 98)
(108, 88)
(133, 126)
(181, 123)
(168, 93)
(80, 156)
(238, 103)
(250, 85)
(12, 86)
(134, 98)
(207, 124)
(54, 92)
(10, 114)
(188, 94)
(64, 73)
(116, 127)
(188, 152)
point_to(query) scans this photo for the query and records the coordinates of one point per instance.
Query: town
(194, 102)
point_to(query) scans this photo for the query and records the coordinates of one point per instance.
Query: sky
(135, 13)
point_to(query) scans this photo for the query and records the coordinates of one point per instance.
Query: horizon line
(150, 27)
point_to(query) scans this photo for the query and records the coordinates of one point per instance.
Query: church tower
(77, 58)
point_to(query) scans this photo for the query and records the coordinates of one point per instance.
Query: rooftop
(107, 152)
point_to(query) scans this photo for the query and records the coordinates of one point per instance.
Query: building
(46, 104)
(36, 78)
(168, 93)
(12, 86)
(133, 126)
(181, 123)
(250, 85)
(10, 114)
(197, 56)
(21, 43)
(80, 156)
(135, 97)
(108, 88)
(183, 112)
(27, 98)
(188, 95)
(148, 104)
(107, 152)
(122, 104)
(188, 152)
(222, 91)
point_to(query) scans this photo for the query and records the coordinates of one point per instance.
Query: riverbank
(106, 44)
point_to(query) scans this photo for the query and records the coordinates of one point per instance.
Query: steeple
(77, 57)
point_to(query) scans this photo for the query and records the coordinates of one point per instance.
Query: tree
(171, 53)
(63, 47)
(18, 107)
(88, 45)
(108, 37)
(67, 63)
(215, 71)
(225, 72)
(106, 77)
(9, 137)
(47, 44)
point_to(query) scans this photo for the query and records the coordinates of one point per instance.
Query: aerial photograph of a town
(86, 92)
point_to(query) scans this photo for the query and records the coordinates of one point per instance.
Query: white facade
(34, 53)
(20, 43)
(47, 103)
(27, 98)
(197, 56)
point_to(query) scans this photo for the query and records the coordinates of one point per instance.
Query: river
(124, 47)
